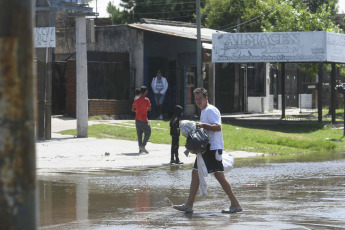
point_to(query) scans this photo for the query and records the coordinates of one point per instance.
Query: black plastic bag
(197, 141)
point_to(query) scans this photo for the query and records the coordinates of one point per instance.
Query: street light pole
(198, 45)
(18, 189)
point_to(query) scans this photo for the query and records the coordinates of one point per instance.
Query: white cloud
(341, 5)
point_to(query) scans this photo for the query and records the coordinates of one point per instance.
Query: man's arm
(153, 85)
(211, 127)
(133, 109)
(149, 108)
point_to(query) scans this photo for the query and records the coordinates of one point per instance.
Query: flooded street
(275, 193)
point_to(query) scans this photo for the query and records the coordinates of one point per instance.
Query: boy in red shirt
(141, 106)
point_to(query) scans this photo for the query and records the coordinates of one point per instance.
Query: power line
(176, 17)
(166, 12)
(246, 22)
(164, 3)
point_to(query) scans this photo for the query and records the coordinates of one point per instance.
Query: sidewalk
(68, 153)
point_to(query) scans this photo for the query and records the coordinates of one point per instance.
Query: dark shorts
(212, 164)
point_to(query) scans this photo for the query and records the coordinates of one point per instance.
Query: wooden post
(18, 194)
(319, 93)
(283, 90)
(333, 95)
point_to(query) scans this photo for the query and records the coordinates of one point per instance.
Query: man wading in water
(210, 120)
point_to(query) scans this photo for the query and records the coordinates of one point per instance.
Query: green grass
(279, 139)
(282, 139)
(339, 114)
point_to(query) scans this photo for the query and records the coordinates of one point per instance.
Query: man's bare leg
(194, 186)
(220, 176)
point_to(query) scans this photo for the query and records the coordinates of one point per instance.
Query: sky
(102, 6)
(341, 4)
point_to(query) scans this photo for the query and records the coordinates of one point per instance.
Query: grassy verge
(270, 139)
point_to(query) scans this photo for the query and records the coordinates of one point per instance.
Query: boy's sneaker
(179, 162)
(172, 162)
(142, 148)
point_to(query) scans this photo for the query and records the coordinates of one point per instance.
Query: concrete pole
(82, 92)
(198, 45)
(18, 190)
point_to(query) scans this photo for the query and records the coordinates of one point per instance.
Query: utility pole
(198, 45)
(44, 74)
(18, 194)
(82, 92)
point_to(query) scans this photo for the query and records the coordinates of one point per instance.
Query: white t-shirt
(211, 115)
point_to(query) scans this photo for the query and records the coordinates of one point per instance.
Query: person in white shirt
(159, 86)
(210, 120)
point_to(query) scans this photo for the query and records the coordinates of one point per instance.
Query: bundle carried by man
(197, 138)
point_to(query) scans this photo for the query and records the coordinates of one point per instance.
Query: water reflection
(289, 195)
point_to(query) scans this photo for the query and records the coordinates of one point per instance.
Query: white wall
(261, 104)
(256, 104)
(305, 101)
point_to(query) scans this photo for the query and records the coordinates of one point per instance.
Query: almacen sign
(317, 46)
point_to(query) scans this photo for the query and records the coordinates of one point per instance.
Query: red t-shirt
(141, 104)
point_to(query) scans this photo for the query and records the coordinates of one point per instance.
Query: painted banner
(317, 46)
(335, 47)
(44, 37)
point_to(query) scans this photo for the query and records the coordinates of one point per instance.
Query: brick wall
(96, 106)
(109, 107)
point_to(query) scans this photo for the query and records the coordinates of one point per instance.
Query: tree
(270, 15)
(291, 16)
(228, 15)
(117, 16)
(134, 10)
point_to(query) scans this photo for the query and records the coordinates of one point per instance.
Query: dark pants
(174, 147)
(143, 127)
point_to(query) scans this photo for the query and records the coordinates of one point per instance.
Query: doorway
(231, 87)
(243, 99)
(190, 83)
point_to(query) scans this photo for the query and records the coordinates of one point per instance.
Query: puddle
(290, 193)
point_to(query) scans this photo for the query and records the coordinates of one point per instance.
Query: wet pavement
(295, 192)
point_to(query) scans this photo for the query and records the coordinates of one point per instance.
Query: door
(243, 88)
(225, 87)
(190, 84)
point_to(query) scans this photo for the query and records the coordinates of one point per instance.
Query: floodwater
(304, 192)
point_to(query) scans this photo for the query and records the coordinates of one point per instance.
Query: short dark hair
(143, 89)
(202, 91)
(137, 91)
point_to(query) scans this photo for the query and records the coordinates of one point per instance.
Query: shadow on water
(295, 192)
